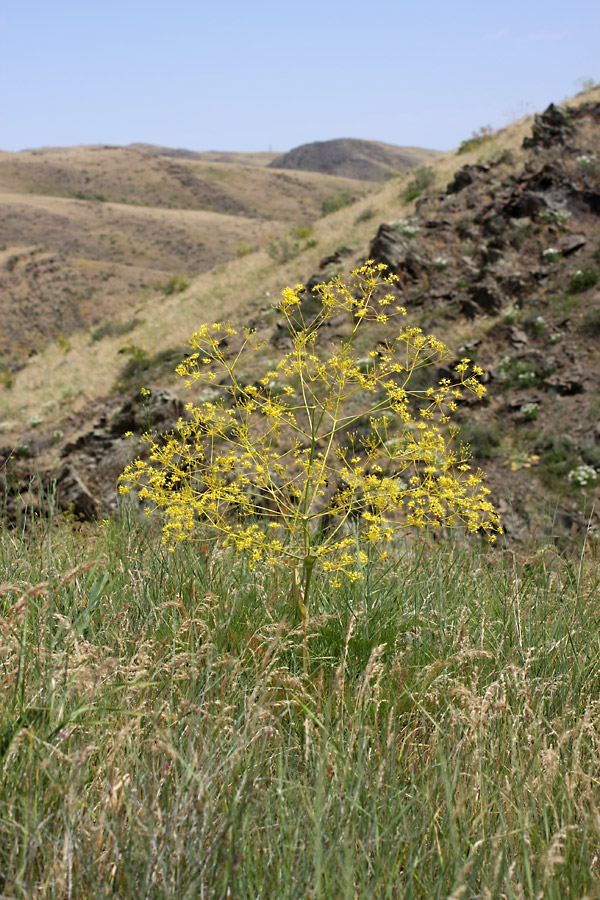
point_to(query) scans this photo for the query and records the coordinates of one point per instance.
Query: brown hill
(244, 159)
(136, 178)
(118, 223)
(352, 158)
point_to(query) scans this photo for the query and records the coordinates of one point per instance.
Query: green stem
(309, 564)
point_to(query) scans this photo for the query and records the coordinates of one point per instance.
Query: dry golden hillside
(88, 233)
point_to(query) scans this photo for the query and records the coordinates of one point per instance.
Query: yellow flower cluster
(325, 453)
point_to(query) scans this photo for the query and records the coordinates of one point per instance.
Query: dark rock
(281, 339)
(88, 441)
(524, 204)
(464, 177)
(586, 109)
(540, 273)
(441, 292)
(493, 222)
(5, 454)
(516, 403)
(397, 252)
(470, 269)
(549, 127)
(544, 179)
(312, 282)
(567, 383)
(467, 230)
(73, 495)
(518, 337)
(592, 200)
(490, 255)
(335, 259)
(468, 308)
(513, 284)
(570, 243)
(485, 297)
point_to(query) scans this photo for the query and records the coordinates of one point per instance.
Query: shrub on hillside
(337, 201)
(113, 329)
(479, 137)
(582, 280)
(421, 181)
(176, 285)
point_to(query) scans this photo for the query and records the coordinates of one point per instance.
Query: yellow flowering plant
(328, 453)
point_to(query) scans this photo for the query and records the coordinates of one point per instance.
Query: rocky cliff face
(505, 265)
(514, 252)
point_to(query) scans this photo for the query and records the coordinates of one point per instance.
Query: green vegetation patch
(583, 280)
(521, 372)
(422, 181)
(483, 438)
(113, 329)
(176, 284)
(335, 202)
(142, 367)
(480, 137)
(558, 457)
(159, 737)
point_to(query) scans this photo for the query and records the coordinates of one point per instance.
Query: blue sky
(273, 74)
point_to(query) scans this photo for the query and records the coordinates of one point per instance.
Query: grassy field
(160, 737)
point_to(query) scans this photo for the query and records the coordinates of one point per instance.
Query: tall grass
(160, 738)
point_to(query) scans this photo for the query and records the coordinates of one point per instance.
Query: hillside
(352, 158)
(120, 223)
(223, 156)
(498, 252)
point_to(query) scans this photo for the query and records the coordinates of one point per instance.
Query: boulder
(518, 338)
(484, 298)
(72, 493)
(397, 252)
(567, 383)
(524, 204)
(570, 243)
(592, 201)
(464, 177)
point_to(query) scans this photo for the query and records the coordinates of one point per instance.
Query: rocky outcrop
(73, 495)
(465, 176)
(402, 255)
(84, 484)
(550, 127)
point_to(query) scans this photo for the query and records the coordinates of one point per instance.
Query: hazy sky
(272, 74)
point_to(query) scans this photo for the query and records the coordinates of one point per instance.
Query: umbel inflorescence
(328, 452)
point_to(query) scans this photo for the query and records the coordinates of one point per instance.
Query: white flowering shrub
(583, 476)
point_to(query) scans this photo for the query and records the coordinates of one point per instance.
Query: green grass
(176, 284)
(160, 738)
(113, 329)
(484, 439)
(480, 137)
(583, 280)
(336, 202)
(422, 180)
(142, 368)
